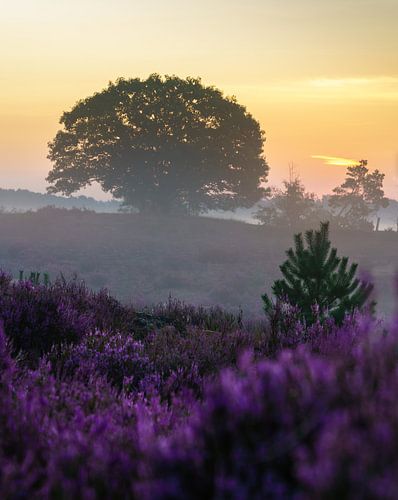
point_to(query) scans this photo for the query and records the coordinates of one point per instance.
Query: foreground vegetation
(99, 400)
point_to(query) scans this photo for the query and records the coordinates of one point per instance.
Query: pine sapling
(313, 275)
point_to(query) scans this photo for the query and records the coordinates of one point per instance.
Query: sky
(320, 76)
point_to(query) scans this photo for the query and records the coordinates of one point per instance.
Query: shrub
(114, 356)
(35, 318)
(182, 316)
(302, 426)
(314, 277)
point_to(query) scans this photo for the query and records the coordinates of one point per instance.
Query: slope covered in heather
(100, 400)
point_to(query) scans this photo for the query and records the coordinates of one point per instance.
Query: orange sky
(320, 76)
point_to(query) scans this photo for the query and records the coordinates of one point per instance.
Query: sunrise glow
(319, 76)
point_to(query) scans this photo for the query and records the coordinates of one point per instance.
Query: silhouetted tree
(291, 206)
(314, 277)
(360, 196)
(161, 144)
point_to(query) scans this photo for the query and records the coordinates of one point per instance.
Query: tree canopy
(161, 144)
(360, 195)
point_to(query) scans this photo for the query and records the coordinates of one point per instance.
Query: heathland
(144, 259)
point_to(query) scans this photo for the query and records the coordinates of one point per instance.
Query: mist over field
(199, 260)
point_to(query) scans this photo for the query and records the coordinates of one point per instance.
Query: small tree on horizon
(288, 206)
(165, 145)
(360, 196)
(314, 276)
(292, 206)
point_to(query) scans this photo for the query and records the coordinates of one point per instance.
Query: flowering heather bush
(287, 329)
(188, 412)
(35, 318)
(103, 311)
(208, 350)
(302, 426)
(113, 356)
(182, 315)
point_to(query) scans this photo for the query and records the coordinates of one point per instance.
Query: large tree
(360, 196)
(161, 144)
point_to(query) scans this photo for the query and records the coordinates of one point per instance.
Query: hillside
(202, 261)
(22, 200)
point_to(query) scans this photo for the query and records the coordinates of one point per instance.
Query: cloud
(336, 160)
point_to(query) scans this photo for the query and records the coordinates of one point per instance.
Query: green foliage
(360, 195)
(161, 145)
(35, 278)
(317, 281)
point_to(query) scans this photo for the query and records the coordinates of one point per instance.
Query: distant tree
(291, 206)
(313, 276)
(360, 196)
(163, 145)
